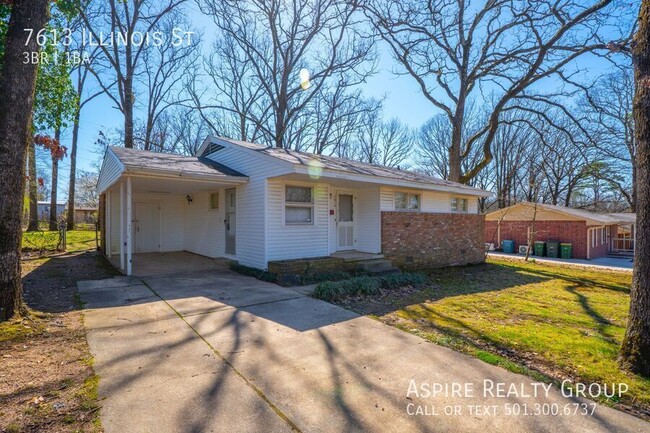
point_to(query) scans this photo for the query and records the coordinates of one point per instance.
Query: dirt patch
(47, 383)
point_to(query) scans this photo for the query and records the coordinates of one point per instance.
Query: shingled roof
(137, 160)
(352, 167)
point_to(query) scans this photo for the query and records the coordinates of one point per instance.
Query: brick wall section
(424, 240)
(288, 272)
(573, 232)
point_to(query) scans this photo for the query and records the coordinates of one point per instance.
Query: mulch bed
(47, 383)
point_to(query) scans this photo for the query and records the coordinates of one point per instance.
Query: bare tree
(613, 130)
(454, 52)
(387, 143)
(164, 67)
(80, 75)
(635, 351)
(128, 22)
(267, 43)
(87, 191)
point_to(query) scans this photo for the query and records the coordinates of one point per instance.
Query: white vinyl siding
(430, 201)
(251, 215)
(368, 220)
(293, 241)
(204, 228)
(110, 172)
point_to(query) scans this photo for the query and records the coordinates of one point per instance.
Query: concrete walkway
(621, 264)
(220, 352)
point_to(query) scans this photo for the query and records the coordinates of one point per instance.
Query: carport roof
(135, 160)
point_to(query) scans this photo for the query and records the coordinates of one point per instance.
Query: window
(299, 205)
(459, 204)
(407, 201)
(214, 201)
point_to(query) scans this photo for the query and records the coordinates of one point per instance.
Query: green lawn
(77, 240)
(560, 322)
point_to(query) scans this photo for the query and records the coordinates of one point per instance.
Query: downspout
(589, 242)
(498, 235)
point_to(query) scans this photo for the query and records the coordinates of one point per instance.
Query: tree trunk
(635, 351)
(33, 188)
(73, 171)
(55, 182)
(17, 85)
(128, 104)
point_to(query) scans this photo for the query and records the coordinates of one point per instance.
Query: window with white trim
(459, 204)
(407, 201)
(214, 201)
(298, 205)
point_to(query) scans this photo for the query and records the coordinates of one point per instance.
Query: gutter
(184, 174)
(389, 181)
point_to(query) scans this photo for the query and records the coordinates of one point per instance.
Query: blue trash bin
(508, 246)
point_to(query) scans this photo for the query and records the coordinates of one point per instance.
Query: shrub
(395, 281)
(365, 285)
(253, 272)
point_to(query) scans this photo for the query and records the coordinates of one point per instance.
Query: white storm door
(147, 227)
(231, 221)
(345, 222)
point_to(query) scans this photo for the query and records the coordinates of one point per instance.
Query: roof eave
(171, 174)
(336, 174)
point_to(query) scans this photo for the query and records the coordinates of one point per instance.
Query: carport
(157, 264)
(162, 203)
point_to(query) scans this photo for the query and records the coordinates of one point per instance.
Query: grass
(542, 320)
(76, 240)
(22, 329)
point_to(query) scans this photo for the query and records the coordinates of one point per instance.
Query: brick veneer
(573, 232)
(420, 240)
(288, 272)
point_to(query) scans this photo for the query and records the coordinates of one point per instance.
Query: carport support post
(122, 225)
(107, 223)
(129, 235)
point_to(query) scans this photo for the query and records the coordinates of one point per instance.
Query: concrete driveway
(214, 351)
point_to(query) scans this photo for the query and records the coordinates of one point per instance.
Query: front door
(231, 221)
(345, 222)
(147, 227)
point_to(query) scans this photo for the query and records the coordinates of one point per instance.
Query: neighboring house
(85, 214)
(44, 210)
(592, 234)
(260, 205)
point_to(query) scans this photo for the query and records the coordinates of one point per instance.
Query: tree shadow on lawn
(50, 283)
(445, 283)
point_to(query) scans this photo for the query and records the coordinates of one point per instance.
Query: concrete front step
(379, 267)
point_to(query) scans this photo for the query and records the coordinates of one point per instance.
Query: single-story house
(261, 205)
(591, 234)
(43, 208)
(85, 214)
